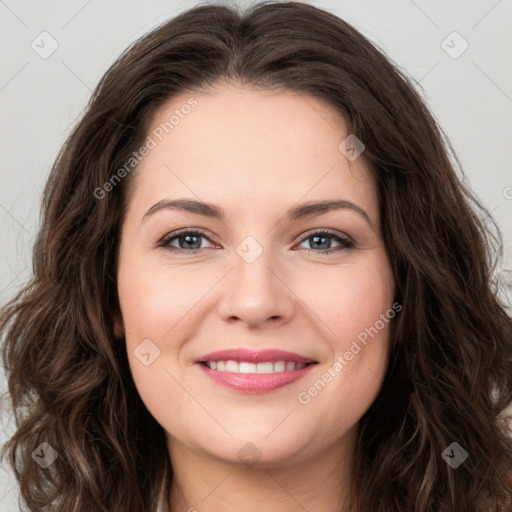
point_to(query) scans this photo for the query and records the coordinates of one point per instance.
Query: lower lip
(255, 382)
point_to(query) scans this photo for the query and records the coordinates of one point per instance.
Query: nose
(257, 293)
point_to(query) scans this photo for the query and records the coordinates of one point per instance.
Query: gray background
(41, 98)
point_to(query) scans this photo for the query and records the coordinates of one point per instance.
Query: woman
(186, 344)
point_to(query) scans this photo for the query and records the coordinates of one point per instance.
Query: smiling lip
(252, 356)
(255, 382)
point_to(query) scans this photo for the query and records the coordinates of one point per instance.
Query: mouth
(265, 367)
(255, 372)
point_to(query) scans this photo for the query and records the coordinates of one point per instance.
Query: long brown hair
(450, 370)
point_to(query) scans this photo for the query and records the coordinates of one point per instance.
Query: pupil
(315, 238)
(188, 240)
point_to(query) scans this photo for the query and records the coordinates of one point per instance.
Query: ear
(118, 325)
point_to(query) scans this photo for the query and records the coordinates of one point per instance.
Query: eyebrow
(298, 212)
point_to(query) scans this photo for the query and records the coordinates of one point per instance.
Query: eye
(188, 241)
(321, 240)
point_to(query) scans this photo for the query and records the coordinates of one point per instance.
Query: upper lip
(252, 356)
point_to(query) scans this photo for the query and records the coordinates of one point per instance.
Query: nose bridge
(252, 273)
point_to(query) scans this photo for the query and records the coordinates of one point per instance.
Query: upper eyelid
(327, 231)
(174, 234)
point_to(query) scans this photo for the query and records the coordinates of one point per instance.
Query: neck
(202, 483)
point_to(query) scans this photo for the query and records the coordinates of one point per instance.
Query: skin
(254, 154)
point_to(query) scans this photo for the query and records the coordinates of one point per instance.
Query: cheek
(157, 304)
(150, 305)
(359, 312)
(362, 325)
(350, 299)
(365, 298)
(156, 298)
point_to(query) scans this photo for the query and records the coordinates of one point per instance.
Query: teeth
(279, 366)
(232, 366)
(265, 367)
(246, 367)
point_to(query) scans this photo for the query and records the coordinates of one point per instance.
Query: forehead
(256, 147)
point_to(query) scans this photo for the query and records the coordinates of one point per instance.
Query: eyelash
(346, 243)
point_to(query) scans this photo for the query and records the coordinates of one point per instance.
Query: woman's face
(260, 279)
